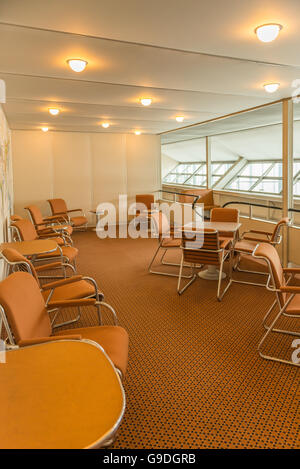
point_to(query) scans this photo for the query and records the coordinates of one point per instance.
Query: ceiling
(195, 58)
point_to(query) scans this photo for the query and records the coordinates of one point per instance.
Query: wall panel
(83, 168)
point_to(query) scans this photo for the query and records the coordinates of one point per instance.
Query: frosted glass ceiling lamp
(45, 129)
(54, 111)
(137, 132)
(271, 87)
(179, 118)
(105, 125)
(268, 32)
(77, 65)
(146, 101)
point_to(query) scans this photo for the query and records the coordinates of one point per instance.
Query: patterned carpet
(195, 379)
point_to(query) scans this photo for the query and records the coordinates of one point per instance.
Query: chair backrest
(268, 252)
(19, 262)
(58, 206)
(206, 197)
(24, 307)
(146, 199)
(35, 214)
(224, 214)
(25, 229)
(276, 233)
(15, 217)
(161, 224)
(201, 247)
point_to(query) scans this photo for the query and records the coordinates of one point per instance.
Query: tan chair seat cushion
(71, 291)
(245, 246)
(171, 242)
(78, 221)
(67, 251)
(113, 339)
(294, 306)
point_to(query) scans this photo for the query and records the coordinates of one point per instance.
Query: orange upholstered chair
(250, 239)
(166, 241)
(59, 207)
(287, 296)
(206, 197)
(26, 231)
(71, 288)
(26, 320)
(204, 247)
(225, 215)
(46, 225)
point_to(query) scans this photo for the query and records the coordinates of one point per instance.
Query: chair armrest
(290, 289)
(252, 238)
(49, 235)
(75, 210)
(267, 233)
(52, 217)
(42, 340)
(59, 283)
(225, 243)
(53, 265)
(291, 270)
(70, 303)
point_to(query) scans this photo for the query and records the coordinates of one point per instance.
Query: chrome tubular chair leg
(220, 296)
(281, 331)
(193, 278)
(111, 309)
(271, 329)
(68, 322)
(164, 273)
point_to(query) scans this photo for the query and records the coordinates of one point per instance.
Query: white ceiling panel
(196, 58)
(221, 27)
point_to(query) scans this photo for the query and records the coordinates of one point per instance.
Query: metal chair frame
(270, 285)
(224, 253)
(276, 242)
(34, 259)
(54, 226)
(98, 295)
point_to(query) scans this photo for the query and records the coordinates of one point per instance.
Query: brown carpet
(195, 379)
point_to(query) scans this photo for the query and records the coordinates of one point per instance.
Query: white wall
(6, 191)
(83, 168)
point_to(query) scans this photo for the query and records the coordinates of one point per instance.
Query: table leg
(211, 273)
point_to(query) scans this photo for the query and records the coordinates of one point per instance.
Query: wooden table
(63, 394)
(212, 273)
(32, 248)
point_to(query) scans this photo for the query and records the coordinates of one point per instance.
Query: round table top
(31, 248)
(63, 394)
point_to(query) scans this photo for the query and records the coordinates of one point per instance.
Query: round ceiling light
(105, 125)
(179, 118)
(137, 132)
(77, 65)
(268, 32)
(271, 87)
(54, 111)
(45, 129)
(146, 101)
